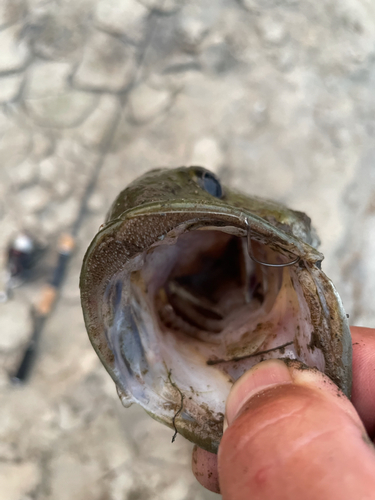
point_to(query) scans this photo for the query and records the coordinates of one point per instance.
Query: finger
(363, 392)
(363, 398)
(204, 465)
(299, 437)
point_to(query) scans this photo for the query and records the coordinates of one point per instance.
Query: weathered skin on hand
(165, 204)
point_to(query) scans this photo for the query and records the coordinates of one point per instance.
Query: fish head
(189, 284)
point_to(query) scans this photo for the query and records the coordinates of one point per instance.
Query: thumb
(291, 434)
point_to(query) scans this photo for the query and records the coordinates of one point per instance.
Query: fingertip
(363, 391)
(204, 466)
(275, 372)
(262, 376)
(287, 426)
(319, 382)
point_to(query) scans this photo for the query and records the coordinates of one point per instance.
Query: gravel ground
(275, 96)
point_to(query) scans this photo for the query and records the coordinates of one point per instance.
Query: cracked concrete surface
(276, 97)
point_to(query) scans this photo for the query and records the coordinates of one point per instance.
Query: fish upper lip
(301, 249)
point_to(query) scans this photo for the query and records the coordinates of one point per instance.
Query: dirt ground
(276, 97)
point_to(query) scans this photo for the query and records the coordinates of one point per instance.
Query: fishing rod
(43, 308)
(67, 241)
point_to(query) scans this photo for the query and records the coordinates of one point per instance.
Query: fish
(188, 284)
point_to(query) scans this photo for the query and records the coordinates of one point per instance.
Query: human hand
(291, 434)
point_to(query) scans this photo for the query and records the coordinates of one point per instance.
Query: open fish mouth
(180, 301)
(234, 311)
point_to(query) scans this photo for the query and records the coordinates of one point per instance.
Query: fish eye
(211, 184)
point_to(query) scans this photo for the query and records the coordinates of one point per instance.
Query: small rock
(33, 199)
(57, 33)
(179, 65)
(179, 490)
(14, 52)
(271, 30)
(4, 122)
(32, 222)
(126, 18)
(152, 437)
(146, 102)
(63, 111)
(42, 144)
(55, 169)
(207, 152)
(95, 129)
(107, 65)
(71, 152)
(18, 479)
(24, 174)
(67, 212)
(10, 87)
(251, 5)
(71, 293)
(46, 79)
(71, 478)
(7, 450)
(15, 324)
(60, 216)
(218, 58)
(10, 225)
(192, 26)
(61, 188)
(96, 202)
(4, 378)
(260, 113)
(49, 169)
(51, 102)
(165, 6)
(15, 145)
(11, 11)
(117, 452)
(287, 58)
(68, 419)
(122, 484)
